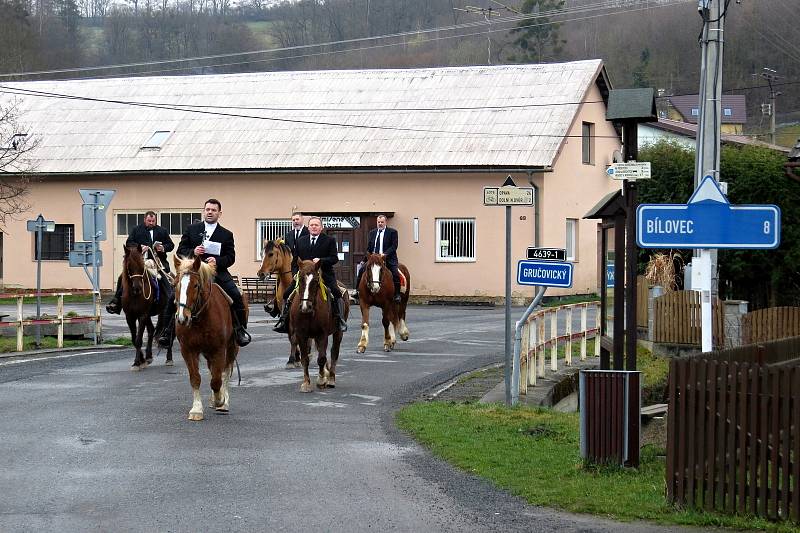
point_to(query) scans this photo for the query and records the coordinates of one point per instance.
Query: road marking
(373, 360)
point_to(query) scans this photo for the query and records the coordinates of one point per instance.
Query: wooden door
(344, 269)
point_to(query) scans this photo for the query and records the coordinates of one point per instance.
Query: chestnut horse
(203, 324)
(278, 260)
(311, 318)
(377, 289)
(139, 303)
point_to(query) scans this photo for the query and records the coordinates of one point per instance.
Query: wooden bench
(258, 291)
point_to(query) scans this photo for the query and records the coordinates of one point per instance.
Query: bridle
(311, 297)
(145, 281)
(199, 305)
(368, 273)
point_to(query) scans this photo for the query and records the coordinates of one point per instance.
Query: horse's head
(193, 281)
(134, 268)
(372, 272)
(307, 284)
(277, 258)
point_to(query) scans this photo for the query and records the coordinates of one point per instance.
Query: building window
(127, 221)
(455, 240)
(57, 244)
(695, 112)
(572, 239)
(269, 229)
(728, 112)
(16, 142)
(587, 143)
(176, 223)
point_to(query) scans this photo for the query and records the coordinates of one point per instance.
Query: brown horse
(311, 318)
(140, 303)
(376, 289)
(278, 260)
(203, 324)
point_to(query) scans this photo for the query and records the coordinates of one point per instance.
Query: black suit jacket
(389, 243)
(291, 243)
(193, 237)
(325, 248)
(141, 235)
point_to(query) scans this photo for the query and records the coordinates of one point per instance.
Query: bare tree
(15, 164)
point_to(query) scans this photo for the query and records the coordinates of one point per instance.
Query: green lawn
(785, 136)
(9, 344)
(534, 454)
(76, 298)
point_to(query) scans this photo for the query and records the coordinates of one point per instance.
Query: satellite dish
(617, 157)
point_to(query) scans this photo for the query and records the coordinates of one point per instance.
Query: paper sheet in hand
(212, 248)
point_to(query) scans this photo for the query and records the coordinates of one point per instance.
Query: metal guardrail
(60, 320)
(538, 338)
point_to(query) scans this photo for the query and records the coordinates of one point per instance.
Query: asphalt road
(88, 445)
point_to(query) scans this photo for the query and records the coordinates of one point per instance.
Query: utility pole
(771, 76)
(708, 141)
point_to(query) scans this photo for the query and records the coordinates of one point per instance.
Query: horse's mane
(279, 244)
(374, 259)
(206, 273)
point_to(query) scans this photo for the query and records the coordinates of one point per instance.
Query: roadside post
(95, 203)
(508, 195)
(39, 225)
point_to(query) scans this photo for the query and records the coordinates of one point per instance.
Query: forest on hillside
(644, 43)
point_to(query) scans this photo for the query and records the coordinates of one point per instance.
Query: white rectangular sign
(632, 170)
(508, 196)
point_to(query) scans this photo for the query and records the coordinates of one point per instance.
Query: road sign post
(706, 222)
(508, 195)
(94, 228)
(39, 225)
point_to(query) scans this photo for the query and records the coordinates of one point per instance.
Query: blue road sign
(609, 276)
(708, 221)
(547, 273)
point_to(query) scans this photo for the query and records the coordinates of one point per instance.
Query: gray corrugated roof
(424, 118)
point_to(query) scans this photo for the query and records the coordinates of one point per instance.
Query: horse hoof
(298, 365)
(305, 387)
(331, 383)
(169, 362)
(195, 417)
(404, 336)
(135, 368)
(387, 348)
(290, 366)
(361, 349)
(223, 409)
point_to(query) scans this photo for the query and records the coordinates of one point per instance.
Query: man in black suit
(148, 233)
(194, 241)
(320, 248)
(383, 240)
(294, 234)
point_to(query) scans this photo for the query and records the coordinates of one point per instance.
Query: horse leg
(322, 361)
(193, 366)
(217, 366)
(388, 330)
(148, 323)
(403, 331)
(305, 348)
(133, 325)
(362, 343)
(337, 343)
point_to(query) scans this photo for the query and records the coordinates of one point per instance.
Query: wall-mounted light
(416, 229)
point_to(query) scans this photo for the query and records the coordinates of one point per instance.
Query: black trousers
(232, 290)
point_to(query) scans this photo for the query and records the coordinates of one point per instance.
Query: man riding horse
(320, 248)
(214, 245)
(148, 233)
(383, 240)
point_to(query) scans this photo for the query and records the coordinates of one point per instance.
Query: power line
(608, 4)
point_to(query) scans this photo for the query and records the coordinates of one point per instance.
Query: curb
(108, 347)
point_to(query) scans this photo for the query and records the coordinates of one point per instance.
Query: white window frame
(463, 258)
(268, 229)
(571, 235)
(194, 215)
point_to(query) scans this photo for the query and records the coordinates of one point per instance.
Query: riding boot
(338, 314)
(115, 305)
(397, 298)
(167, 332)
(271, 307)
(283, 322)
(239, 327)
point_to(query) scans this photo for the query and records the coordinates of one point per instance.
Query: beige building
(417, 144)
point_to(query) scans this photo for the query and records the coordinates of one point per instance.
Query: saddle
(403, 281)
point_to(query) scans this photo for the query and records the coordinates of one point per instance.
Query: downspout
(535, 208)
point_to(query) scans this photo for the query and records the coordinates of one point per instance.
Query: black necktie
(296, 234)
(313, 241)
(379, 243)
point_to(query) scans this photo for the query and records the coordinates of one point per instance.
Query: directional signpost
(547, 254)
(708, 221)
(95, 204)
(508, 195)
(632, 170)
(39, 225)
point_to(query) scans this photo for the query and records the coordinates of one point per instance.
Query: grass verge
(9, 344)
(75, 298)
(534, 454)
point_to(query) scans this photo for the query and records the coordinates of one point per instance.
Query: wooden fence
(733, 437)
(540, 334)
(60, 319)
(763, 353)
(770, 324)
(676, 319)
